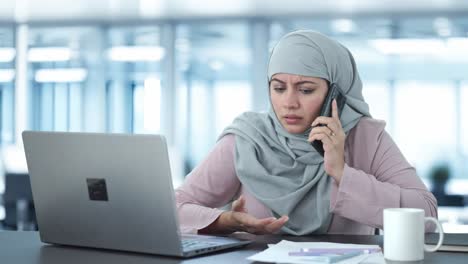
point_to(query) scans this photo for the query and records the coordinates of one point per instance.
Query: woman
(280, 183)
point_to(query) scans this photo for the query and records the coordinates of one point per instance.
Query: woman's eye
(306, 91)
(279, 89)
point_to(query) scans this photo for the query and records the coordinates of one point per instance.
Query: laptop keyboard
(191, 244)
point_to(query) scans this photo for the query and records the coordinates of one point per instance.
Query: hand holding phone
(333, 93)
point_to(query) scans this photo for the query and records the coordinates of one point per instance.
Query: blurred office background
(185, 69)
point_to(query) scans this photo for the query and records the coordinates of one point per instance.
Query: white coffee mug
(404, 230)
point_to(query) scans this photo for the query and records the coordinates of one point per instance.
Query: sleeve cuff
(339, 192)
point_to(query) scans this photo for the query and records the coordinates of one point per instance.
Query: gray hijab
(283, 170)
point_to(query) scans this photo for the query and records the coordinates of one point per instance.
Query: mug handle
(441, 235)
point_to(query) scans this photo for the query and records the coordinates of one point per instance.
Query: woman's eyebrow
(298, 83)
(278, 80)
(306, 82)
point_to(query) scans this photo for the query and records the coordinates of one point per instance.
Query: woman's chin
(295, 129)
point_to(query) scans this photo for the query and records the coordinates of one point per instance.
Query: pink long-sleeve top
(376, 176)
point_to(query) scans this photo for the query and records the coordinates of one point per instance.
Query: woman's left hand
(333, 138)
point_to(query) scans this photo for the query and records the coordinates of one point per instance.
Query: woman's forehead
(287, 77)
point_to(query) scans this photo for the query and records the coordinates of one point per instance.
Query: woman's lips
(292, 120)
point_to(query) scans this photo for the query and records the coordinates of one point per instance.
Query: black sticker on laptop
(97, 189)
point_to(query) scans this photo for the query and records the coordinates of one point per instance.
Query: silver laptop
(111, 191)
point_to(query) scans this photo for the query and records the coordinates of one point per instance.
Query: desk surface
(26, 247)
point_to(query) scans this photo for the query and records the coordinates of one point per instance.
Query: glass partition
(213, 64)
(62, 63)
(134, 85)
(7, 81)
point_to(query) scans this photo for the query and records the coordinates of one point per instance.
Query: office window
(231, 99)
(146, 106)
(6, 112)
(202, 135)
(75, 108)
(213, 65)
(425, 123)
(352, 33)
(61, 76)
(134, 86)
(464, 120)
(7, 79)
(377, 95)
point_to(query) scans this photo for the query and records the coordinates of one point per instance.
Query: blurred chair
(17, 195)
(18, 202)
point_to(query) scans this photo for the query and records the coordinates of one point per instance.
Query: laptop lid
(109, 191)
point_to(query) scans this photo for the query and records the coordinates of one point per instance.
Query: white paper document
(279, 253)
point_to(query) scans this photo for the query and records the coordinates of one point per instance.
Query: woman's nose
(291, 100)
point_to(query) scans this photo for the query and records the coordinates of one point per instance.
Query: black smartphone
(334, 92)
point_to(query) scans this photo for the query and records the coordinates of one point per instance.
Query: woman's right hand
(238, 219)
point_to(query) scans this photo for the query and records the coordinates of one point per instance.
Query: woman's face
(297, 100)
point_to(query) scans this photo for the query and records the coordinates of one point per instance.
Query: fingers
(333, 124)
(238, 205)
(252, 222)
(249, 223)
(334, 127)
(325, 120)
(335, 110)
(327, 140)
(331, 130)
(275, 226)
(326, 131)
(321, 130)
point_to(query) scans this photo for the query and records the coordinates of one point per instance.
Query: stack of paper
(281, 253)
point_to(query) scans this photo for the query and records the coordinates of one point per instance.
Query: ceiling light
(136, 53)
(7, 54)
(49, 54)
(442, 26)
(408, 46)
(216, 65)
(60, 75)
(343, 25)
(7, 75)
